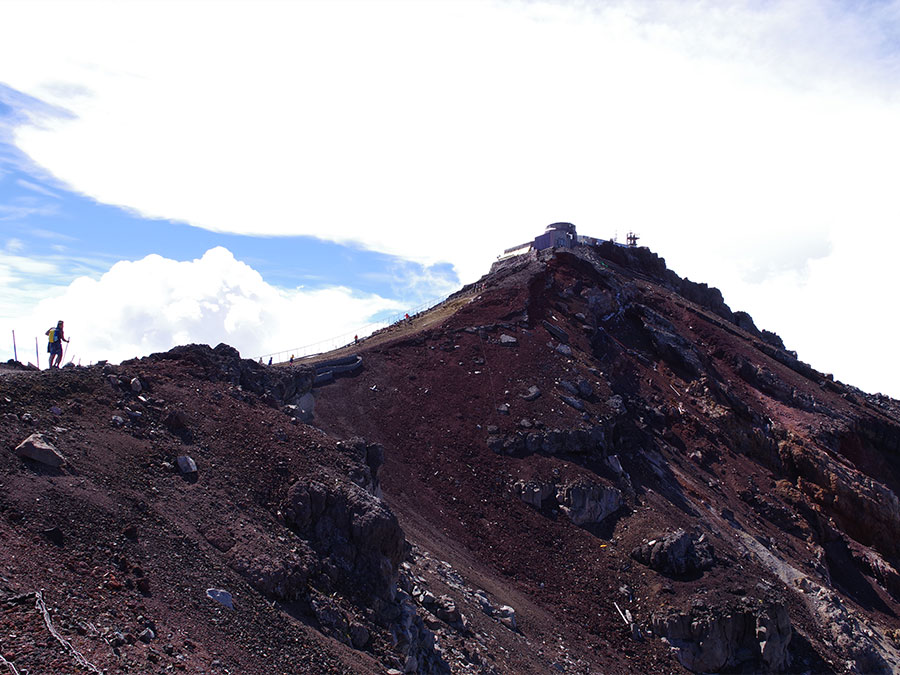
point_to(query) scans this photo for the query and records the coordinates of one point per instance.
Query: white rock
(220, 596)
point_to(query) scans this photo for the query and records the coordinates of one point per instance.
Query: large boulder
(587, 503)
(677, 554)
(751, 637)
(283, 577)
(534, 492)
(357, 535)
(370, 457)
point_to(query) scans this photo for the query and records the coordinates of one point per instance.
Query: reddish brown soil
(430, 397)
(714, 452)
(126, 514)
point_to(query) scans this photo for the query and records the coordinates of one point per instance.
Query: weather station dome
(564, 227)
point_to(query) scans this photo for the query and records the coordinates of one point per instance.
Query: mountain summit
(581, 463)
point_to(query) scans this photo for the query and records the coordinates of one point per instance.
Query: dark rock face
(553, 441)
(643, 260)
(360, 539)
(589, 503)
(370, 457)
(556, 332)
(743, 638)
(281, 386)
(583, 503)
(535, 493)
(676, 555)
(671, 346)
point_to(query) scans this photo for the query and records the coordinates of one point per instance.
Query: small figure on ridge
(54, 345)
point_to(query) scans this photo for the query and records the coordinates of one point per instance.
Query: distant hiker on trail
(407, 317)
(270, 360)
(292, 359)
(54, 345)
(356, 339)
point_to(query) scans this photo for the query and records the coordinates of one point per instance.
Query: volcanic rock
(535, 493)
(186, 464)
(532, 393)
(220, 596)
(354, 530)
(676, 554)
(41, 450)
(749, 637)
(591, 503)
(693, 420)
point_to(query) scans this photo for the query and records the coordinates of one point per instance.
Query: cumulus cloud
(152, 304)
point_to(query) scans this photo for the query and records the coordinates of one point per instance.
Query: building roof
(565, 227)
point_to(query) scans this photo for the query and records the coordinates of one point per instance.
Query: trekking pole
(37, 354)
(66, 350)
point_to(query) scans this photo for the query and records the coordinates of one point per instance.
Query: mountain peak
(581, 462)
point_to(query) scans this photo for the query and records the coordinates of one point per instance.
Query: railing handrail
(346, 339)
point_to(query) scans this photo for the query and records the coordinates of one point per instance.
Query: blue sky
(280, 174)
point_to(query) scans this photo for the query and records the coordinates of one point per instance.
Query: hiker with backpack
(56, 337)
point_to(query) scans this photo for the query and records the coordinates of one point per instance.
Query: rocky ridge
(583, 463)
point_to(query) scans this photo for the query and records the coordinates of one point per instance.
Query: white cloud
(153, 304)
(749, 143)
(34, 187)
(22, 211)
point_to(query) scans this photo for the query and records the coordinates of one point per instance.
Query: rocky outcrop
(414, 641)
(865, 650)
(370, 457)
(278, 386)
(677, 554)
(671, 346)
(867, 509)
(751, 637)
(535, 493)
(589, 503)
(281, 578)
(583, 502)
(359, 539)
(550, 441)
(556, 331)
(764, 380)
(644, 260)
